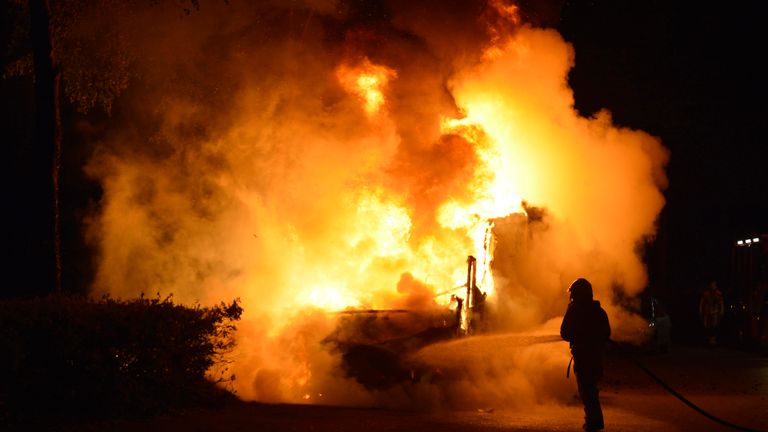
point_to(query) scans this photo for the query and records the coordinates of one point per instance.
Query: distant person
(711, 309)
(585, 325)
(457, 315)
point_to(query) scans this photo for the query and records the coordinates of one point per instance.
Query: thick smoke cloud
(599, 184)
(237, 164)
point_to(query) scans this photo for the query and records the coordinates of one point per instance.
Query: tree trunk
(48, 121)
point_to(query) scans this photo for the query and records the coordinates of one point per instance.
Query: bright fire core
(359, 169)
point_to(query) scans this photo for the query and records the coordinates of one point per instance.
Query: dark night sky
(692, 76)
(695, 77)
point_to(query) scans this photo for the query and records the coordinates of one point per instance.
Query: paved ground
(731, 384)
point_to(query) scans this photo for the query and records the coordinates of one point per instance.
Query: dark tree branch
(48, 118)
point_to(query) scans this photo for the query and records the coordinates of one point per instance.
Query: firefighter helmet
(580, 289)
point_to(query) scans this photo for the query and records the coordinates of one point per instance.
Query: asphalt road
(730, 384)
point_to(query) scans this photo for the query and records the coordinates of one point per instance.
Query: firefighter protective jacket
(585, 325)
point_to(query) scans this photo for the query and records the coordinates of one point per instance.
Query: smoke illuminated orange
(368, 82)
(328, 181)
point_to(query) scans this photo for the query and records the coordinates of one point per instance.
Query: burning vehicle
(375, 344)
(333, 163)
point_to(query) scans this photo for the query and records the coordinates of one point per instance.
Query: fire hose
(682, 398)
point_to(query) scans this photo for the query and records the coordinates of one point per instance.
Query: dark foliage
(69, 359)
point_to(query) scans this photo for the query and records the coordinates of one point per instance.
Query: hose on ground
(684, 400)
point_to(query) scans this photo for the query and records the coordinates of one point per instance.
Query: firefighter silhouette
(711, 309)
(585, 325)
(458, 312)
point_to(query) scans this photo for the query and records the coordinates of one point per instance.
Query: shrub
(69, 358)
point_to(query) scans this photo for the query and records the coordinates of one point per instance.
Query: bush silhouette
(70, 358)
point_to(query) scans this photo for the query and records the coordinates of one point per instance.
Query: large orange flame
(330, 179)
